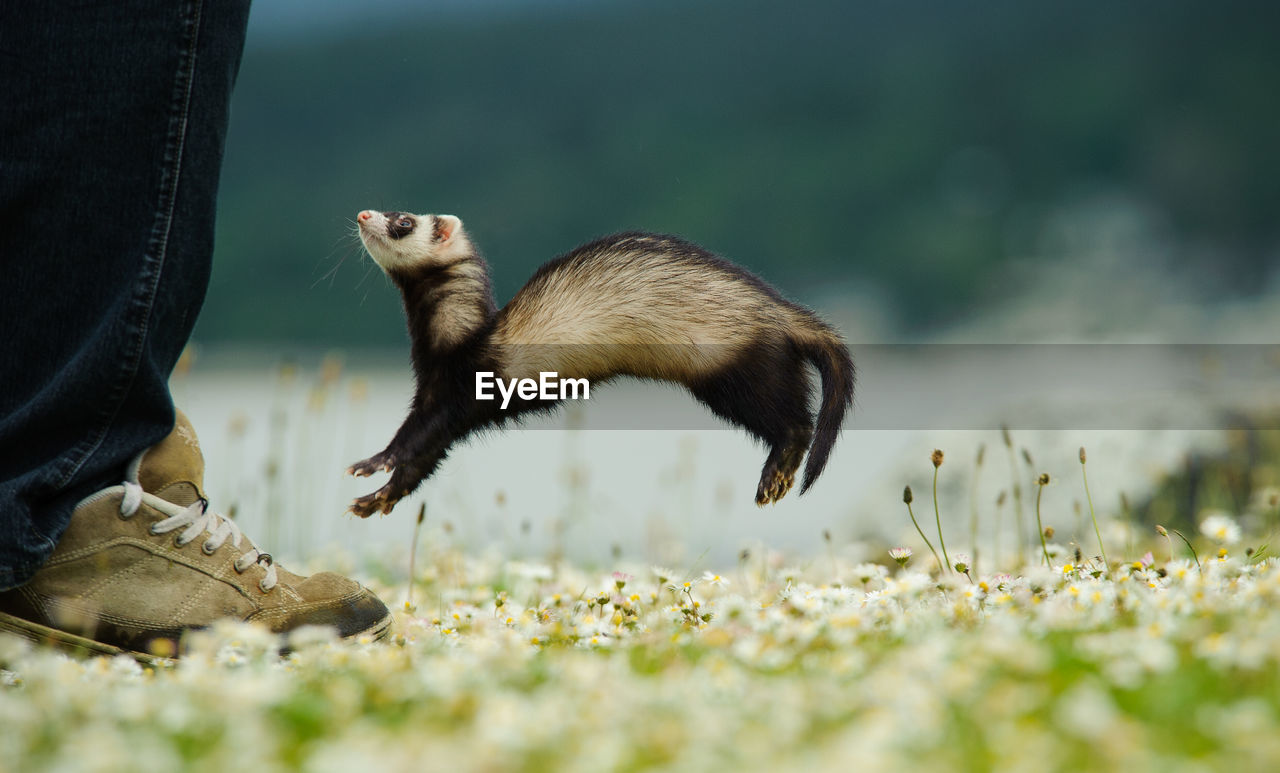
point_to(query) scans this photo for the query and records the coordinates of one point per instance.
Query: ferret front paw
(383, 462)
(381, 501)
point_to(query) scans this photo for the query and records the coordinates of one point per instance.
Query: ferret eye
(404, 222)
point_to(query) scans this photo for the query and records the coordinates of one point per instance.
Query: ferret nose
(364, 216)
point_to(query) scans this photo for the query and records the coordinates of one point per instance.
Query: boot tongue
(173, 469)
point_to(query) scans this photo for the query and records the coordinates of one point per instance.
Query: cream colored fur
(652, 315)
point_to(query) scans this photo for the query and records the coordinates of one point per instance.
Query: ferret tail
(831, 357)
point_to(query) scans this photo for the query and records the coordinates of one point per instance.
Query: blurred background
(978, 173)
(927, 164)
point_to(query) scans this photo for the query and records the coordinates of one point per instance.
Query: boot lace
(194, 521)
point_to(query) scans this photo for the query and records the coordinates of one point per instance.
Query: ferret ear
(445, 227)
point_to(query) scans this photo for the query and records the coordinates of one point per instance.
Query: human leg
(110, 145)
(112, 142)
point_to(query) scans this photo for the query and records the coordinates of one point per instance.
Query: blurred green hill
(912, 147)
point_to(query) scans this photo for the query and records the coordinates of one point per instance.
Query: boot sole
(79, 645)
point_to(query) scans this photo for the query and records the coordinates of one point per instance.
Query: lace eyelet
(208, 549)
(262, 587)
(178, 543)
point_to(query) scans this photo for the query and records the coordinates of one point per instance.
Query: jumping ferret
(632, 304)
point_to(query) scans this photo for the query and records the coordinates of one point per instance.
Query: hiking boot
(143, 562)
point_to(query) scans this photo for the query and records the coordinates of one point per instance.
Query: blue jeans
(112, 123)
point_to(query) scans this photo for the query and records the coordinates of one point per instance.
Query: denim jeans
(112, 121)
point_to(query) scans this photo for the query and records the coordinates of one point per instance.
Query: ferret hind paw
(774, 485)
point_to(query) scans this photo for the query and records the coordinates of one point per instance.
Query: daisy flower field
(511, 665)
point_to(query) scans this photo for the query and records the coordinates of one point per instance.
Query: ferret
(633, 304)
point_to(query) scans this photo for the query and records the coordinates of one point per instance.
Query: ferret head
(398, 241)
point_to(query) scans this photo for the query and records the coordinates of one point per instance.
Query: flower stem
(1195, 557)
(1087, 496)
(921, 533)
(938, 519)
(1040, 526)
(973, 507)
(1015, 487)
(413, 552)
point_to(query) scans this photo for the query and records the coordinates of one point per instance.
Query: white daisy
(1220, 527)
